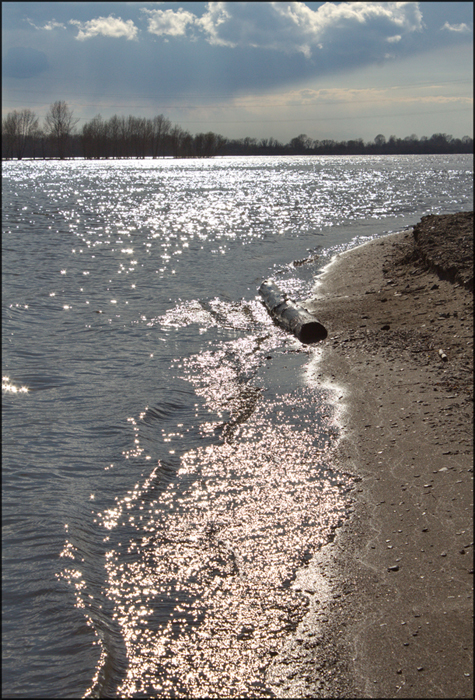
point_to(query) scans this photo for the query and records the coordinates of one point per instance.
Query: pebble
(393, 568)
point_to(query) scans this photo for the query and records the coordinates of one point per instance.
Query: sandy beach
(391, 606)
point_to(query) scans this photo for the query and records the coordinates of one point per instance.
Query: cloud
(211, 21)
(356, 98)
(291, 27)
(464, 28)
(22, 62)
(168, 22)
(111, 26)
(49, 25)
(53, 25)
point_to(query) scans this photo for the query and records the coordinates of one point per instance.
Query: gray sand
(391, 598)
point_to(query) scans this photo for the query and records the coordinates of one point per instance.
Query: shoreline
(391, 605)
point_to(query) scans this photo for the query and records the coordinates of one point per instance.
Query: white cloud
(404, 15)
(114, 27)
(211, 21)
(330, 20)
(49, 25)
(358, 98)
(291, 27)
(457, 27)
(169, 23)
(53, 25)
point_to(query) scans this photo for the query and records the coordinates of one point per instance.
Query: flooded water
(167, 457)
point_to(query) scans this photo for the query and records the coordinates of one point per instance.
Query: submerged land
(391, 598)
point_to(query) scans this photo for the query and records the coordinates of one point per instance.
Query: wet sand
(391, 606)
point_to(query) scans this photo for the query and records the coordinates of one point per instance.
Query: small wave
(164, 411)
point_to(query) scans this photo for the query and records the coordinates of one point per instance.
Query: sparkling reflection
(10, 388)
(202, 582)
(203, 553)
(159, 425)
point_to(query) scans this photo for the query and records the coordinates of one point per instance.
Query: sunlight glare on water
(202, 593)
(166, 449)
(7, 386)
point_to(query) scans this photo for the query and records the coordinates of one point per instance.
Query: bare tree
(59, 124)
(199, 145)
(113, 129)
(38, 143)
(210, 144)
(161, 127)
(124, 137)
(28, 127)
(176, 138)
(18, 128)
(94, 137)
(301, 144)
(144, 136)
(134, 136)
(249, 144)
(186, 147)
(8, 135)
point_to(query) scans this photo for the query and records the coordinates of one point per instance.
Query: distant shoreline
(136, 137)
(236, 155)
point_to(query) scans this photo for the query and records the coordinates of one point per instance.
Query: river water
(167, 457)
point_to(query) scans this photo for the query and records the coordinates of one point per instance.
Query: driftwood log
(290, 316)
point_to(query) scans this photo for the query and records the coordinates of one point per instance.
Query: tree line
(139, 137)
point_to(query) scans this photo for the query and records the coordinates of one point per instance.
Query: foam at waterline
(337, 392)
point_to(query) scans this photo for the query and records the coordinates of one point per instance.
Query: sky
(331, 70)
